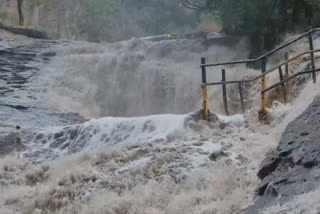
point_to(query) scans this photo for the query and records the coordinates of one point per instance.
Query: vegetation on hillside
(101, 20)
(115, 20)
(263, 21)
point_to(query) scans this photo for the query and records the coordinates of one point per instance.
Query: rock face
(293, 168)
(32, 33)
(22, 62)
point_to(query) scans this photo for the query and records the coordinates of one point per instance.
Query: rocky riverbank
(32, 33)
(293, 168)
(21, 63)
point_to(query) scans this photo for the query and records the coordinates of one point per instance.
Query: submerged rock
(11, 142)
(216, 155)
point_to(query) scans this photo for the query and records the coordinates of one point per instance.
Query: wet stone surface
(22, 64)
(293, 168)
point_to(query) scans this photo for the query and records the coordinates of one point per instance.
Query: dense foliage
(96, 18)
(263, 21)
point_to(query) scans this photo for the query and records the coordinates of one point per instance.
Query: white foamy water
(106, 134)
(306, 203)
(207, 170)
(153, 164)
(134, 78)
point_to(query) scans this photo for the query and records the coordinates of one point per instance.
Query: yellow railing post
(263, 112)
(205, 102)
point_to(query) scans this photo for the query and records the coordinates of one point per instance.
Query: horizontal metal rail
(284, 79)
(263, 56)
(265, 73)
(290, 78)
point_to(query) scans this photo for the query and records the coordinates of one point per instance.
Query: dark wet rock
(269, 166)
(66, 145)
(49, 54)
(58, 135)
(57, 143)
(223, 125)
(197, 116)
(73, 133)
(242, 138)
(11, 142)
(216, 155)
(198, 144)
(195, 121)
(17, 107)
(15, 62)
(39, 136)
(32, 33)
(19, 65)
(293, 168)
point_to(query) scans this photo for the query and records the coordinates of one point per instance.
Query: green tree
(96, 20)
(20, 13)
(263, 21)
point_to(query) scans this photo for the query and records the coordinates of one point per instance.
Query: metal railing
(284, 79)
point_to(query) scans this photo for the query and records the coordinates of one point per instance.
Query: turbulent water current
(115, 129)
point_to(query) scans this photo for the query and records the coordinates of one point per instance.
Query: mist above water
(134, 78)
(155, 164)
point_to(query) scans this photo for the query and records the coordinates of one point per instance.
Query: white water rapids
(134, 78)
(159, 164)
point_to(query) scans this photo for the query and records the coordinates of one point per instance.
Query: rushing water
(22, 64)
(164, 163)
(134, 78)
